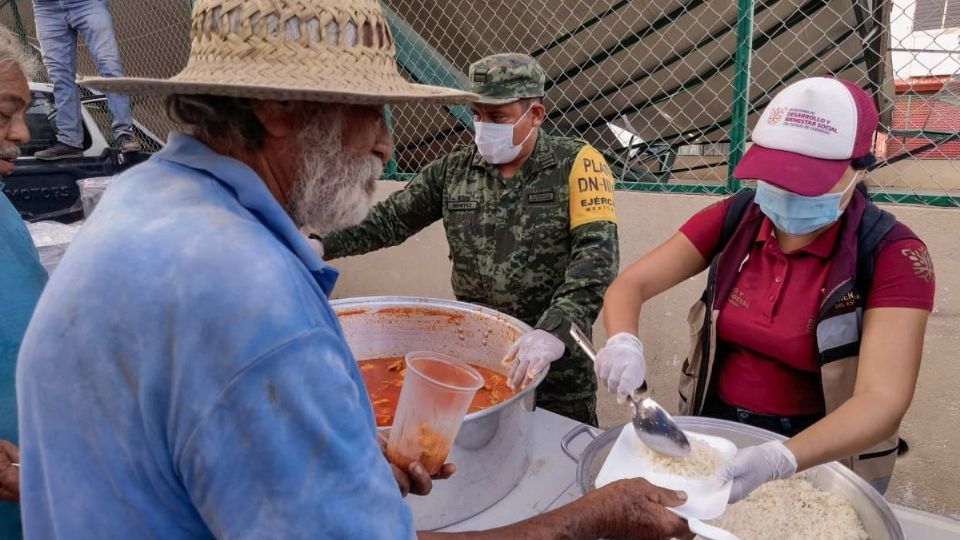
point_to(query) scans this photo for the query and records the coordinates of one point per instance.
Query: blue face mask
(798, 214)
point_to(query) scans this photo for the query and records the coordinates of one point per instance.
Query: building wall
(927, 176)
(926, 477)
(923, 53)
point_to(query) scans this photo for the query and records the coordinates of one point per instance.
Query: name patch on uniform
(461, 206)
(591, 189)
(540, 195)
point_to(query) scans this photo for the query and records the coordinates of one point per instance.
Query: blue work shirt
(185, 377)
(21, 280)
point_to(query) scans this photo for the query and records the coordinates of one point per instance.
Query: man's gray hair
(231, 120)
(13, 53)
(218, 117)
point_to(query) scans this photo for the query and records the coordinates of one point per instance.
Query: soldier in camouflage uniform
(530, 222)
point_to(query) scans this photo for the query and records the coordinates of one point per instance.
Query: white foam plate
(704, 530)
(706, 497)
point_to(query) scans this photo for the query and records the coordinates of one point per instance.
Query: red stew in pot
(383, 378)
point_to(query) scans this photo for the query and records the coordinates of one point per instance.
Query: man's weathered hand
(636, 509)
(9, 474)
(415, 479)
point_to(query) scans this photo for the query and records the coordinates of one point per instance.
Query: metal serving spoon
(653, 424)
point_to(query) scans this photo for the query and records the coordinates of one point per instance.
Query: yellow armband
(591, 189)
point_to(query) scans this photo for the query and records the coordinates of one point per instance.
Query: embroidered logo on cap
(775, 116)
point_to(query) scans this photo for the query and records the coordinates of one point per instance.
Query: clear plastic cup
(91, 190)
(436, 393)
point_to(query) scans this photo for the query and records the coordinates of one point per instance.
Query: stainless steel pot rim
(692, 422)
(378, 303)
(493, 447)
(602, 439)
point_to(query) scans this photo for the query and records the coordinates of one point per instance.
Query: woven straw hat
(313, 50)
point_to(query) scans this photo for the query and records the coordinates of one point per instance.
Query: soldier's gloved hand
(756, 465)
(316, 245)
(621, 365)
(530, 354)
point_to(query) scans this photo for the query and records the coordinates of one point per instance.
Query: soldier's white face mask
(495, 141)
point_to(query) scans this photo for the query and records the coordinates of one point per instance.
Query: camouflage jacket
(541, 246)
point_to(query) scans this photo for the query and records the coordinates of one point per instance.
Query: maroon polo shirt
(766, 330)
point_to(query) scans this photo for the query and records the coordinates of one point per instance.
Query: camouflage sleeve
(594, 263)
(594, 249)
(390, 222)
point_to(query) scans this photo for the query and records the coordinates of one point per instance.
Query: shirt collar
(822, 246)
(252, 194)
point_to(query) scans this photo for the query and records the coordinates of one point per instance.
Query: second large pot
(492, 449)
(874, 512)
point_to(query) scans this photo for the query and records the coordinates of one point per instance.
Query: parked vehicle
(47, 190)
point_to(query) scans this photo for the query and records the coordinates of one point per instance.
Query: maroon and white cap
(809, 134)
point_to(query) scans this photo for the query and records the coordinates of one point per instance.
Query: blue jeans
(788, 426)
(59, 24)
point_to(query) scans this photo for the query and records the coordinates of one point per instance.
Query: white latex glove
(756, 465)
(316, 245)
(530, 354)
(621, 365)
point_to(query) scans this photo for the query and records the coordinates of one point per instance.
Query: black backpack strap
(739, 202)
(874, 226)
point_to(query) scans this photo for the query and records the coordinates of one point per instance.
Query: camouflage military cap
(504, 78)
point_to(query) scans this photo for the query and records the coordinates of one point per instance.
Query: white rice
(702, 461)
(792, 509)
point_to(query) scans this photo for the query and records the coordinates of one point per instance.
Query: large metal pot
(492, 449)
(877, 517)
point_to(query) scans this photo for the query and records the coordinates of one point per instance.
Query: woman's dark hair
(863, 162)
(217, 117)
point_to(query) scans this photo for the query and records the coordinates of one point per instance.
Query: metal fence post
(741, 89)
(390, 169)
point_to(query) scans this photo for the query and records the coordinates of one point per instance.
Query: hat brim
(497, 101)
(502, 101)
(335, 93)
(797, 173)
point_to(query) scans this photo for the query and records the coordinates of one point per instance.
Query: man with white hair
(184, 376)
(21, 275)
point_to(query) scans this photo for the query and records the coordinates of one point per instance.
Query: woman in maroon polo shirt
(816, 304)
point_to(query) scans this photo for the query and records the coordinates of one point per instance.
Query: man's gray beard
(333, 190)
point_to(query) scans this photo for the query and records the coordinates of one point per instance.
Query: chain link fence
(667, 90)
(152, 36)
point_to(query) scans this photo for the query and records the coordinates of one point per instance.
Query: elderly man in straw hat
(184, 376)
